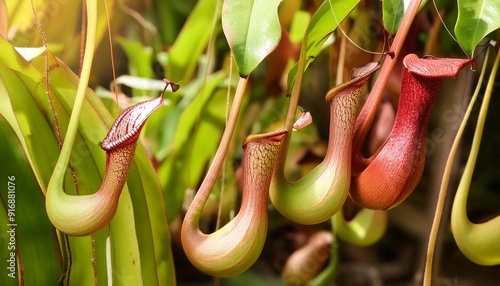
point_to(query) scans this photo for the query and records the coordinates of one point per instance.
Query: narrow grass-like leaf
(191, 41)
(140, 61)
(180, 150)
(155, 215)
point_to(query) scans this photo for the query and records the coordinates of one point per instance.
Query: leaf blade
(393, 11)
(25, 200)
(323, 23)
(476, 19)
(252, 30)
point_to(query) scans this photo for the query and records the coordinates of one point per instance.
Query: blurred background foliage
(183, 41)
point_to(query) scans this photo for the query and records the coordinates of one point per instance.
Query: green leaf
(154, 215)
(140, 225)
(325, 21)
(140, 242)
(140, 61)
(21, 194)
(171, 14)
(252, 30)
(192, 41)
(300, 22)
(322, 25)
(476, 19)
(140, 58)
(392, 13)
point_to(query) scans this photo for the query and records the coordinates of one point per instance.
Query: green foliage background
(184, 41)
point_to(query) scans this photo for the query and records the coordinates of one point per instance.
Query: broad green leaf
(42, 155)
(476, 19)
(25, 87)
(140, 58)
(7, 112)
(325, 21)
(252, 30)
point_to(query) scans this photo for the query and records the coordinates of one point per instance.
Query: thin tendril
(347, 37)
(68, 259)
(447, 30)
(223, 175)
(49, 98)
(139, 18)
(47, 82)
(115, 86)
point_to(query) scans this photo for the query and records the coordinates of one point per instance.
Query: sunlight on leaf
(142, 83)
(299, 25)
(476, 19)
(252, 30)
(393, 11)
(30, 53)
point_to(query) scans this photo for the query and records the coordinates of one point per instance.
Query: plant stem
(340, 65)
(444, 183)
(211, 177)
(295, 94)
(292, 106)
(367, 114)
(63, 160)
(331, 271)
